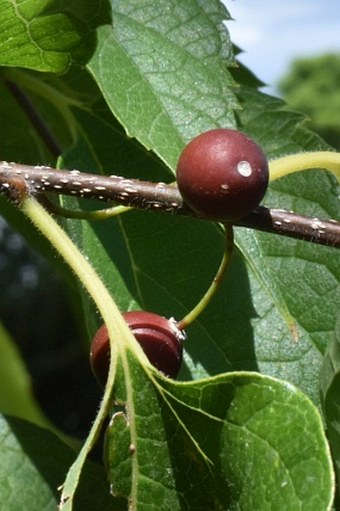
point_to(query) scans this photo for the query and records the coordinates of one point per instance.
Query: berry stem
(302, 161)
(119, 332)
(216, 283)
(70, 253)
(78, 214)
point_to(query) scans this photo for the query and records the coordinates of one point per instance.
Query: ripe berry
(222, 174)
(159, 337)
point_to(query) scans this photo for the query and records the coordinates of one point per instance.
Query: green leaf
(295, 286)
(270, 122)
(235, 441)
(170, 79)
(49, 36)
(33, 466)
(16, 396)
(330, 392)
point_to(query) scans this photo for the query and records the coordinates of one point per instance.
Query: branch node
(14, 187)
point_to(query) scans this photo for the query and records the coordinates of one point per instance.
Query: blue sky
(272, 33)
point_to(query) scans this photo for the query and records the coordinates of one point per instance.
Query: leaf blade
(244, 438)
(49, 36)
(169, 81)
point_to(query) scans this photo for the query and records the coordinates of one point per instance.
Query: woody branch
(39, 180)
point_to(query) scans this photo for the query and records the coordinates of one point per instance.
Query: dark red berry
(159, 337)
(100, 355)
(222, 174)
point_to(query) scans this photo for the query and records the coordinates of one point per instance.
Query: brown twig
(160, 197)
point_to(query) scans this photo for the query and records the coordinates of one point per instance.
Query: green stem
(216, 283)
(296, 162)
(98, 214)
(70, 253)
(119, 332)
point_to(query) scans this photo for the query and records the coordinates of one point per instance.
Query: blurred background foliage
(35, 308)
(312, 86)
